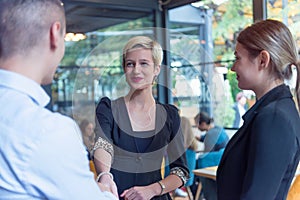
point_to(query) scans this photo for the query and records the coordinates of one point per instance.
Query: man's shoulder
(56, 122)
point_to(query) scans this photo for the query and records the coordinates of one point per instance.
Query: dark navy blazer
(132, 166)
(260, 160)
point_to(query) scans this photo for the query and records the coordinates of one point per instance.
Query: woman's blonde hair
(146, 43)
(274, 37)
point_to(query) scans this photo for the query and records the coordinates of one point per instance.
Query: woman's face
(246, 68)
(89, 129)
(139, 68)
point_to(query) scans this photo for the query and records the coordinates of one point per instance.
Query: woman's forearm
(102, 160)
(169, 184)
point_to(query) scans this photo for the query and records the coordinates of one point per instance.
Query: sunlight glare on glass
(75, 37)
(219, 2)
(202, 3)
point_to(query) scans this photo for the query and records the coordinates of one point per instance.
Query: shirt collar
(24, 85)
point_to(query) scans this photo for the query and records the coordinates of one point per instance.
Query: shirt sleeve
(59, 168)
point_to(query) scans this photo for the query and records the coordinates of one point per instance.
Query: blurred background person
(88, 134)
(215, 140)
(240, 108)
(191, 146)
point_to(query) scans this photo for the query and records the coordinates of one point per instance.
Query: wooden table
(211, 172)
(208, 172)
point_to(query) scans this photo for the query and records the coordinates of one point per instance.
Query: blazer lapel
(238, 135)
(281, 91)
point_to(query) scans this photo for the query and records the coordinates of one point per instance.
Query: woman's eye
(144, 64)
(129, 65)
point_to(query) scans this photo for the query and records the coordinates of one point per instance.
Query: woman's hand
(139, 193)
(106, 183)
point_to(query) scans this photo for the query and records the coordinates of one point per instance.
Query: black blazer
(132, 166)
(260, 160)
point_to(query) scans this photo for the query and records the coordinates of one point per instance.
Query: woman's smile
(136, 79)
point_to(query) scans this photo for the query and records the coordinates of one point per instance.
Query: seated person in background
(191, 145)
(88, 134)
(215, 139)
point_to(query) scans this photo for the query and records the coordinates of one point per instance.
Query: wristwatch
(163, 187)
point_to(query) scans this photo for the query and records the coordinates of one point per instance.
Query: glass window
(202, 42)
(287, 11)
(203, 54)
(91, 69)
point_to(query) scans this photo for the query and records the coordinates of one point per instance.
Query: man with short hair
(42, 155)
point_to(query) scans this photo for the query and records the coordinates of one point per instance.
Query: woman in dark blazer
(260, 160)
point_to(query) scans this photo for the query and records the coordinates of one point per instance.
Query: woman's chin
(242, 87)
(140, 87)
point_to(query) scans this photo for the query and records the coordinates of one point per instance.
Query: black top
(260, 160)
(138, 155)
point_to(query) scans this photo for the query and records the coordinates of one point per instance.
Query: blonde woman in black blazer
(135, 132)
(260, 160)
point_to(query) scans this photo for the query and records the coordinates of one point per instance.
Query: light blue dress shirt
(42, 155)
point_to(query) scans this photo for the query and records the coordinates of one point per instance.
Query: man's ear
(264, 59)
(55, 34)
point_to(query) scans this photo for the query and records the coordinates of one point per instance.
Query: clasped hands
(135, 193)
(139, 193)
(106, 183)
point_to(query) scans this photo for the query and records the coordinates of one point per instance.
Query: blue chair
(209, 187)
(210, 159)
(191, 164)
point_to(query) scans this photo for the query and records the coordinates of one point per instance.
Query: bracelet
(163, 187)
(180, 173)
(103, 173)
